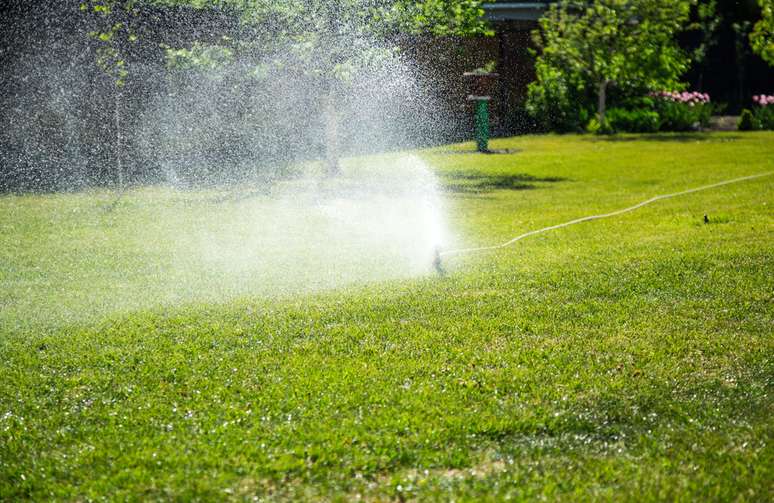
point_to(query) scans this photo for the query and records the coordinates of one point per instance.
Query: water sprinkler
(437, 265)
(481, 83)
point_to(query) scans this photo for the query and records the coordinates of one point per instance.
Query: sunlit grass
(628, 358)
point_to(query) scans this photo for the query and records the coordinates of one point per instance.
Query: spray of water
(226, 185)
(380, 219)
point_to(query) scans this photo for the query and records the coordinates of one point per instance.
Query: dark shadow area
(666, 137)
(488, 152)
(468, 182)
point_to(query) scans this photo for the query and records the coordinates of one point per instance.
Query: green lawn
(627, 358)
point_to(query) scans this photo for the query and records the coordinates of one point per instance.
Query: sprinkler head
(437, 263)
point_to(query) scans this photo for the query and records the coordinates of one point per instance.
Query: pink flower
(763, 99)
(691, 98)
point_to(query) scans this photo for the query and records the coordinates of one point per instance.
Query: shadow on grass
(473, 151)
(468, 182)
(689, 137)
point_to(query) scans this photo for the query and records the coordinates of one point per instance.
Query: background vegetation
(92, 85)
(630, 52)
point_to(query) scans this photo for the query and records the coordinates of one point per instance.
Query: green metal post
(482, 124)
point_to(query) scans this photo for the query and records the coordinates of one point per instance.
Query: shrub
(676, 117)
(682, 111)
(764, 112)
(554, 103)
(633, 121)
(594, 127)
(765, 117)
(747, 121)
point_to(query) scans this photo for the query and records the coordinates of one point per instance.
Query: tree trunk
(332, 167)
(601, 102)
(119, 164)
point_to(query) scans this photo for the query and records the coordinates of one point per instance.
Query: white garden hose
(462, 251)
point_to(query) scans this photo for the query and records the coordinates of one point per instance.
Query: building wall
(441, 63)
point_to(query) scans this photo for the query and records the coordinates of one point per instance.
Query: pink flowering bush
(682, 111)
(689, 98)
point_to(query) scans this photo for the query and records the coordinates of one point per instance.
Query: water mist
(226, 185)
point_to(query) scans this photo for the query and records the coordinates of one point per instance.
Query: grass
(628, 358)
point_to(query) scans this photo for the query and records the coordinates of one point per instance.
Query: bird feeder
(481, 86)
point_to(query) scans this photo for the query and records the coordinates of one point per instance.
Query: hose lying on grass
(462, 251)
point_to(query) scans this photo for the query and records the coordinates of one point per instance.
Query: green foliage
(764, 117)
(555, 101)
(626, 359)
(375, 18)
(761, 117)
(321, 32)
(489, 67)
(633, 121)
(747, 121)
(762, 36)
(336, 38)
(628, 44)
(676, 116)
(198, 56)
(706, 21)
(114, 31)
(439, 17)
(594, 127)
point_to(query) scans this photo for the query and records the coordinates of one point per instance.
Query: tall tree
(624, 43)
